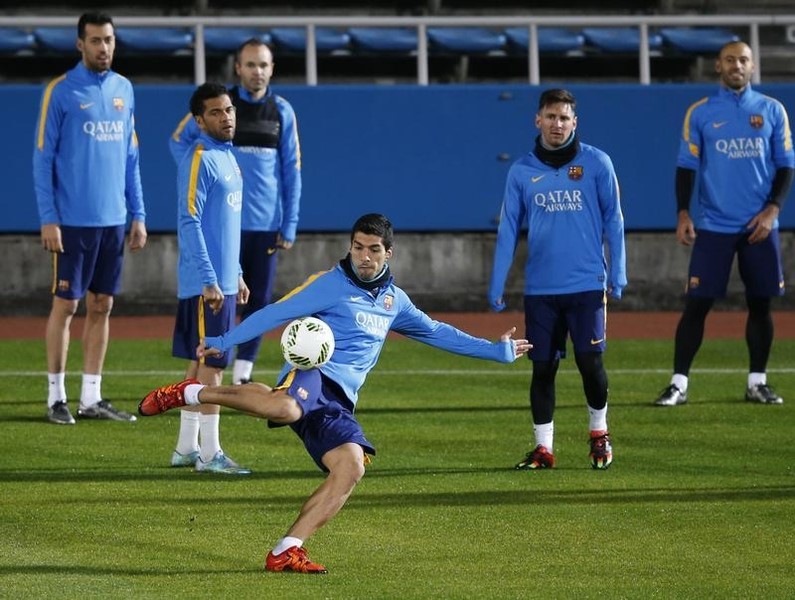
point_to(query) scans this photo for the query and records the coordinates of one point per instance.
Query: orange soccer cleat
(294, 560)
(164, 398)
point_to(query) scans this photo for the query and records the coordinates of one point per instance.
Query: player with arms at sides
(566, 193)
(267, 149)
(359, 300)
(738, 145)
(87, 181)
(209, 279)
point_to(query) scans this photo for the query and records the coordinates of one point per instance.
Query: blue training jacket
(271, 176)
(209, 191)
(360, 323)
(85, 157)
(569, 212)
(736, 142)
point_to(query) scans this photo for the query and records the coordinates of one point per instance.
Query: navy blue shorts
(91, 261)
(258, 261)
(549, 320)
(328, 421)
(711, 263)
(195, 320)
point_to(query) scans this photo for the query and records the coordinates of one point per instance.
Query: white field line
(175, 374)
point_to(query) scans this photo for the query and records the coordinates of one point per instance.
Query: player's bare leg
(96, 332)
(57, 335)
(255, 399)
(346, 467)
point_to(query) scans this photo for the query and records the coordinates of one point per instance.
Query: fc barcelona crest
(388, 302)
(757, 121)
(118, 103)
(575, 172)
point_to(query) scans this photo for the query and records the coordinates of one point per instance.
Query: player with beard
(737, 145)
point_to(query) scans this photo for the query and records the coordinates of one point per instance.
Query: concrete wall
(440, 271)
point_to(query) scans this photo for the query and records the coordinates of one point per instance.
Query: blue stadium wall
(433, 158)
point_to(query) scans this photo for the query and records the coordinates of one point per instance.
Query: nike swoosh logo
(537, 178)
(228, 177)
(599, 341)
(717, 125)
(272, 251)
(355, 298)
(85, 106)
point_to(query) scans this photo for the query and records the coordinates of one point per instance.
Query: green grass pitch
(699, 502)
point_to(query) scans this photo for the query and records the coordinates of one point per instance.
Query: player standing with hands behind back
(738, 144)
(87, 181)
(566, 194)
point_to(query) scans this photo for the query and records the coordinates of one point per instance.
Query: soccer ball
(307, 343)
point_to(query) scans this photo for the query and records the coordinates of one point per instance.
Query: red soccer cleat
(538, 458)
(164, 398)
(293, 560)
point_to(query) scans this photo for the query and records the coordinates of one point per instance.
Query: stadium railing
(645, 35)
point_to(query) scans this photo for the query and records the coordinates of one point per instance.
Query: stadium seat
(383, 39)
(293, 39)
(698, 39)
(550, 39)
(619, 39)
(154, 39)
(466, 40)
(15, 40)
(229, 39)
(58, 39)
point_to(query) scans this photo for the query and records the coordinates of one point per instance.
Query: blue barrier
(433, 158)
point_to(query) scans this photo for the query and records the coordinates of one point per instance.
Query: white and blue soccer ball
(307, 343)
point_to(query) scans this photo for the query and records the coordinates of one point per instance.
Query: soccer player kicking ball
(359, 300)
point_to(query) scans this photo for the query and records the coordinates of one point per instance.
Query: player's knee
(697, 307)
(758, 307)
(589, 363)
(64, 307)
(346, 464)
(278, 406)
(544, 371)
(354, 470)
(99, 304)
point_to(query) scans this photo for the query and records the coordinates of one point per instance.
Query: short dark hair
(206, 91)
(255, 42)
(93, 18)
(375, 224)
(557, 96)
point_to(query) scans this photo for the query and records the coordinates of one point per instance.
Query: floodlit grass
(699, 502)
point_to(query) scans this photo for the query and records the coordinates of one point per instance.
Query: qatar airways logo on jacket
(559, 200)
(235, 200)
(741, 147)
(105, 131)
(372, 324)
